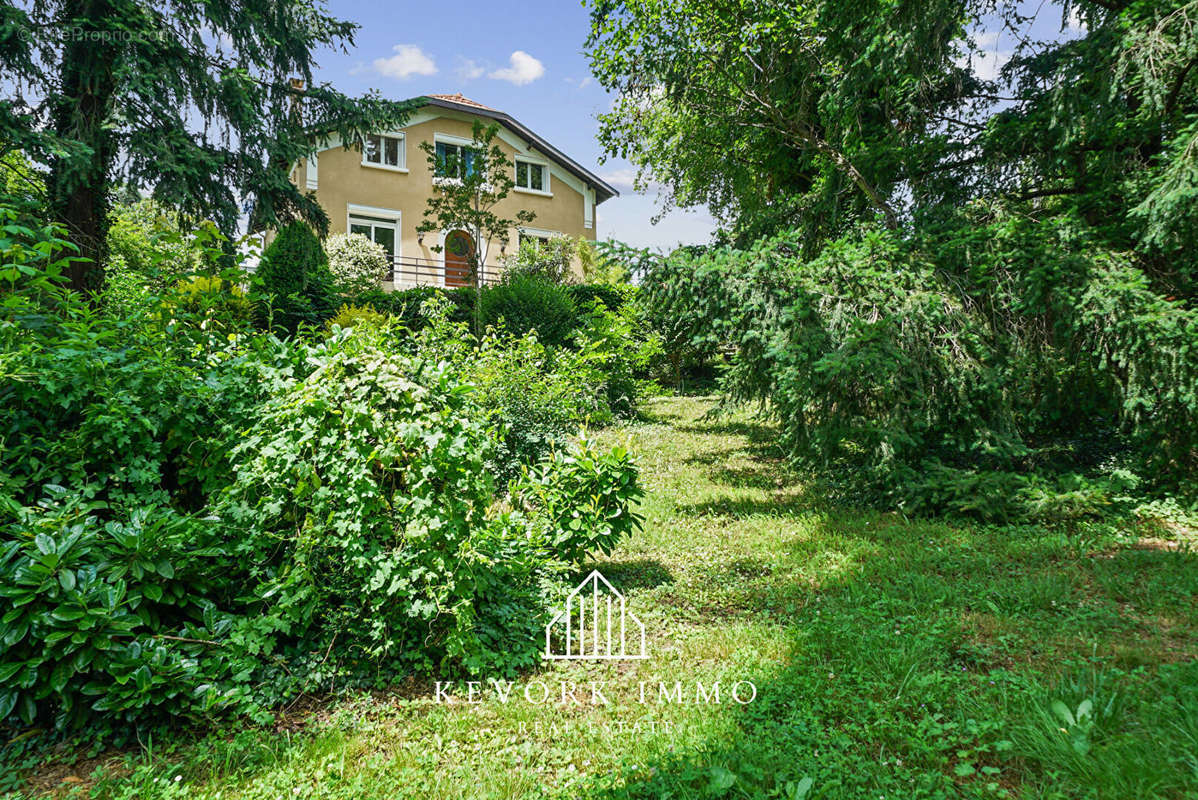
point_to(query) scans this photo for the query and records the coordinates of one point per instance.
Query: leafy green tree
(820, 115)
(471, 183)
(1101, 130)
(192, 99)
(20, 182)
(775, 113)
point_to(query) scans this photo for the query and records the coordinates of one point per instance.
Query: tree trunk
(78, 181)
(849, 168)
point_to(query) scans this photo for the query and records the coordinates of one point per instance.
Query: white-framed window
(454, 159)
(536, 235)
(379, 225)
(532, 176)
(386, 150)
(539, 240)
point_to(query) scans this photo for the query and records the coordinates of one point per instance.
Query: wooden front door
(458, 247)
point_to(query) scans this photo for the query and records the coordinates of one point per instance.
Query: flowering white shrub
(357, 263)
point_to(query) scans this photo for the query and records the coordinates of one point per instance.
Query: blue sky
(525, 59)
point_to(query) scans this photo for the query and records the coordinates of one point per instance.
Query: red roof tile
(457, 98)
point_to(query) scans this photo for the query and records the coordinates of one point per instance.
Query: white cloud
(408, 60)
(580, 83)
(623, 179)
(985, 39)
(1074, 23)
(986, 63)
(469, 69)
(523, 69)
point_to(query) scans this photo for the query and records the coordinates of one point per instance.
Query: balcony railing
(407, 272)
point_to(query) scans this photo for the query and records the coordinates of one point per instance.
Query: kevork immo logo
(595, 625)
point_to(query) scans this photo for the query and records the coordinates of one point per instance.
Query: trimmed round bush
(357, 263)
(529, 304)
(294, 271)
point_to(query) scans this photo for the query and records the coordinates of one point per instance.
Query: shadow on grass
(909, 674)
(931, 662)
(641, 573)
(758, 433)
(785, 503)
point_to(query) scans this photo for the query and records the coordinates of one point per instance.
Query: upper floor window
(539, 241)
(384, 150)
(532, 175)
(454, 160)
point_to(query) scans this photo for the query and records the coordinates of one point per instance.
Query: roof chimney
(297, 99)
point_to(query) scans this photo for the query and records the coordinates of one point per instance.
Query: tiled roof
(457, 98)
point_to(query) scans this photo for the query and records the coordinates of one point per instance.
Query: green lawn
(891, 659)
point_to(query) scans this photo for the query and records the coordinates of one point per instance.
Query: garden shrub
(551, 261)
(970, 372)
(526, 304)
(348, 316)
(534, 396)
(357, 263)
(211, 300)
(134, 418)
(587, 494)
(370, 472)
(619, 354)
(294, 273)
(207, 522)
(90, 603)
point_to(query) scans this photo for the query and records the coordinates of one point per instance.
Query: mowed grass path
(890, 659)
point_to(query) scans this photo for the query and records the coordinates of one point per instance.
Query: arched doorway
(458, 247)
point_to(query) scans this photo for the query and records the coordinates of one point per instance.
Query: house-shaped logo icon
(595, 625)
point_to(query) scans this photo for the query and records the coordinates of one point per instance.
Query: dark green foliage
(406, 305)
(530, 304)
(613, 297)
(670, 302)
(294, 274)
(111, 94)
(1011, 370)
(206, 519)
(90, 602)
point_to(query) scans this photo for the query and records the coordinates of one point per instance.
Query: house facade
(380, 188)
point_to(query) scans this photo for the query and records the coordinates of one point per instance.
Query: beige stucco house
(380, 188)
